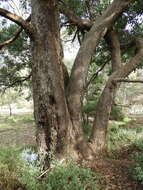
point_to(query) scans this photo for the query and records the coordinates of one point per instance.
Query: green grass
(16, 121)
(120, 136)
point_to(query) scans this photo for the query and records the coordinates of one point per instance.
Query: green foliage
(89, 108)
(15, 62)
(87, 127)
(10, 165)
(116, 114)
(137, 170)
(71, 177)
(62, 176)
(10, 96)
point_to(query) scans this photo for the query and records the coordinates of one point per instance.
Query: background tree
(8, 98)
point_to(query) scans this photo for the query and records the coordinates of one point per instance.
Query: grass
(123, 136)
(126, 142)
(16, 121)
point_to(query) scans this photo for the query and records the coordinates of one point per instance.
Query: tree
(58, 97)
(8, 98)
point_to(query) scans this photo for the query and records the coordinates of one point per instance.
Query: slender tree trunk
(103, 109)
(10, 110)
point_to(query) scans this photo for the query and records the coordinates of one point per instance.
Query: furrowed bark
(50, 109)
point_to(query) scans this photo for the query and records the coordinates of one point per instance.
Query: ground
(18, 130)
(116, 175)
(114, 169)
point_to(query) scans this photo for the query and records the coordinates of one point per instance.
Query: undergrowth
(121, 136)
(128, 138)
(16, 171)
(137, 170)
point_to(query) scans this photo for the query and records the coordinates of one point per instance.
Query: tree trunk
(10, 110)
(103, 109)
(50, 108)
(54, 122)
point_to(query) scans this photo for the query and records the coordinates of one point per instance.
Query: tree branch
(13, 83)
(122, 105)
(114, 46)
(18, 20)
(128, 81)
(93, 77)
(76, 20)
(7, 42)
(133, 63)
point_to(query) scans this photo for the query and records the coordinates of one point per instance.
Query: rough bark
(99, 132)
(50, 109)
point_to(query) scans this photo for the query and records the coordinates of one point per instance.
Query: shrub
(120, 136)
(137, 171)
(71, 177)
(116, 114)
(9, 168)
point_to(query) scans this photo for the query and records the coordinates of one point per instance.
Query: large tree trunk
(50, 109)
(58, 134)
